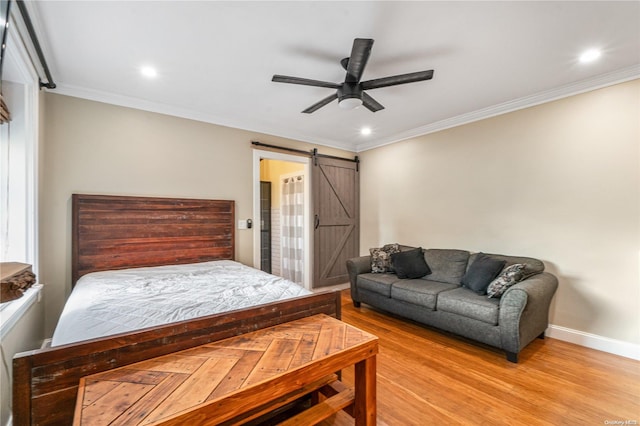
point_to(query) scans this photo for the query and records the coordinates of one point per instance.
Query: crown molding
(604, 80)
(136, 103)
(594, 83)
(156, 107)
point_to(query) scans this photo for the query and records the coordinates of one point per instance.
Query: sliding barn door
(336, 205)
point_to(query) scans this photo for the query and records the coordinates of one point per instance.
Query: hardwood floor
(427, 377)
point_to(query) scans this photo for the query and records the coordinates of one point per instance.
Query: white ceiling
(215, 60)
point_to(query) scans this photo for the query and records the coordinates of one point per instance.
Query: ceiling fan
(351, 93)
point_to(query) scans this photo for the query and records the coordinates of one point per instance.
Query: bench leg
(364, 408)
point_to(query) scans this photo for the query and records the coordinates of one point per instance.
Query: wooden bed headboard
(117, 232)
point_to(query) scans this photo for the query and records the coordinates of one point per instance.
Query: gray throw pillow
(410, 264)
(481, 272)
(508, 277)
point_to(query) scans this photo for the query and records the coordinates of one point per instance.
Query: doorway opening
(282, 212)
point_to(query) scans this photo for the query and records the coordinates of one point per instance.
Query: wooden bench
(235, 380)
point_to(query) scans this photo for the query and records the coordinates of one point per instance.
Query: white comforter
(111, 302)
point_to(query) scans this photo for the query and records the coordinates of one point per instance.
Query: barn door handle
(317, 222)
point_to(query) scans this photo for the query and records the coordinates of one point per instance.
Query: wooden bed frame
(115, 232)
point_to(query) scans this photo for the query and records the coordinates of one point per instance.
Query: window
(18, 156)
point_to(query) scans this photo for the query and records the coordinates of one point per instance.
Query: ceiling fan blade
(304, 81)
(397, 79)
(321, 103)
(358, 60)
(370, 103)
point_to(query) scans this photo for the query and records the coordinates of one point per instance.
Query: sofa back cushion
(531, 266)
(447, 265)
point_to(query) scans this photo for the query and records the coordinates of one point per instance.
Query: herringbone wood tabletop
(150, 391)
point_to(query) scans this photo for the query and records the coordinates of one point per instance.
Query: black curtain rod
(282, 148)
(36, 44)
(313, 153)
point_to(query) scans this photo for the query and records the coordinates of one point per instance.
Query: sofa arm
(524, 311)
(356, 266)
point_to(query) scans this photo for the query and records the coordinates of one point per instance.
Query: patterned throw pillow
(508, 277)
(381, 258)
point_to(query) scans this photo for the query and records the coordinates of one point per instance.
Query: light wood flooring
(426, 377)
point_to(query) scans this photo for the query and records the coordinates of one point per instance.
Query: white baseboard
(593, 341)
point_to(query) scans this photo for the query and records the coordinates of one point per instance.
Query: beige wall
(91, 147)
(560, 182)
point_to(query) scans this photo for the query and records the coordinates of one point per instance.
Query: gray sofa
(438, 299)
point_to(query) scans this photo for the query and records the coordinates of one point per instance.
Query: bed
(117, 301)
(117, 233)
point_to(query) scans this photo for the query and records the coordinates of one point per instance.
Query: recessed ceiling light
(365, 131)
(149, 72)
(590, 55)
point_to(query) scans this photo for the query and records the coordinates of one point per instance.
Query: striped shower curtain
(292, 214)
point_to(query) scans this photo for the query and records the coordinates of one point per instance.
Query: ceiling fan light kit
(351, 93)
(350, 103)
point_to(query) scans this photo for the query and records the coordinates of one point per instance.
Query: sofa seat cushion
(465, 302)
(377, 283)
(419, 291)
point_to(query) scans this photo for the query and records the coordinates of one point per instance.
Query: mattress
(112, 302)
